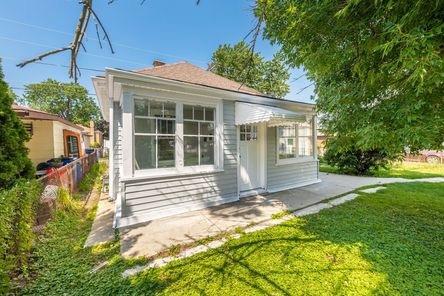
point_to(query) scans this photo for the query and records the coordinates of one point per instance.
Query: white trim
(282, 188)
(127, 135)
(238, 159)
(297, 159)
(315, 137)
(118, 211)
(175, 210)
(111, 175)
(252, 192)
(164, 173)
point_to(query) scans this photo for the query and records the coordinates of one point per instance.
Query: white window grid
(199, 135)
(156, 133)
(248, 132)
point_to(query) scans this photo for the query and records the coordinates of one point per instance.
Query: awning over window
(253, 113)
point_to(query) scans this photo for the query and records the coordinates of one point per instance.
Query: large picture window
(294, 142)
(198, 139)
(154, 134)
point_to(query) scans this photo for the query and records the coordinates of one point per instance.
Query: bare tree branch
(102, 27)
(254, 32)
(43, 55)
(77, 42)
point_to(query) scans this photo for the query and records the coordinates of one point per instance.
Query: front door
(250, 158)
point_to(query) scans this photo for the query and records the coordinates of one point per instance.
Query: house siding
(286, 176)
(162, 196)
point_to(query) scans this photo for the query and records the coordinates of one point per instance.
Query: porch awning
(253, 113)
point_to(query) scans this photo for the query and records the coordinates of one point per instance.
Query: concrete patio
(150, 238)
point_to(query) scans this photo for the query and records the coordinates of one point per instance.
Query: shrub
(14, 161)
(18, 207)
(92, 177)
(353, 160)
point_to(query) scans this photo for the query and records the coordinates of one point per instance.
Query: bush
(18, 207)
(356, 161)
(92, 177)
(14, 161)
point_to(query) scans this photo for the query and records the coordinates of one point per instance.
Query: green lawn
(391, 242)
(409, 170)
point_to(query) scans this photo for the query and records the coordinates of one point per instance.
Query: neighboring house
(91, 136)
(320, 143)
(183, 138)
(51, 136)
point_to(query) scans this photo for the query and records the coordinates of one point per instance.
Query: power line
(95, 39)
(22, 88)
(52, 64)
(85, 53)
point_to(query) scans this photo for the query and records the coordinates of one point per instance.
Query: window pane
(242, 128)
(242, 137)
(248, 128)
(141, 107)
(206, 128)
(198, 113)
(209, 114)
(191, 155)
(286, 148)
(190, 128)
(206, 150)
(305, 146)
(143, 125)
(156, 109)
(165, 150)
(145, 152)
(286, 131)
(165, 126)
(187, 112)
(169, 110)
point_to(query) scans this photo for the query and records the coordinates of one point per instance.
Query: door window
(73, 146)
(248, 132)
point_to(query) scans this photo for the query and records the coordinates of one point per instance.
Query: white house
(183, 138)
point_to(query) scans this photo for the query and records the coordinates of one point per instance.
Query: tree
(378, 68)
(67, 100)
(240, 64)
(14, 161)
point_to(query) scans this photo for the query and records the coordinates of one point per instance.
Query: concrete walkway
(102, 230)
(155, 236)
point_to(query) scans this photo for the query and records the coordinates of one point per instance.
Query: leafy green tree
(67, 100)
(237, 63)
(14, 161)
(378, 68)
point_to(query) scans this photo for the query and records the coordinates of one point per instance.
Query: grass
(389, 242)
(408, 170)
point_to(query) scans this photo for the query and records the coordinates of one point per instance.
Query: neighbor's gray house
(183, 138)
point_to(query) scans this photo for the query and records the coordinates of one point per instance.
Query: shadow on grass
(389, 242)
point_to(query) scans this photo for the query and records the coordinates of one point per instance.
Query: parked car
(52, 164)
(433, 156)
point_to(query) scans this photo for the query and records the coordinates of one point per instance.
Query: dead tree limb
(77, 41)
(42, 56)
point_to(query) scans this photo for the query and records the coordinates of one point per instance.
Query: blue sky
(167, 30)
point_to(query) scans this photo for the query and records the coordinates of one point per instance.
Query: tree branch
(42, 56)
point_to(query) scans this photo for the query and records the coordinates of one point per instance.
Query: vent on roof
(157, 63)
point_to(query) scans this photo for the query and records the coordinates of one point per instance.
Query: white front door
(250, 166)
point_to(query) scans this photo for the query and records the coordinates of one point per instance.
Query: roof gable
(186, 72)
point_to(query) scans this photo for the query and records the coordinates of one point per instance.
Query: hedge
(18, 207)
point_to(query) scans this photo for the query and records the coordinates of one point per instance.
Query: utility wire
(95, 39)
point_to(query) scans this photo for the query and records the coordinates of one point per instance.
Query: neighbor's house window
(154, 134)
(198, 131)
(294, 142)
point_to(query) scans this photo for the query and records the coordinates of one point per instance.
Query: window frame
(128, 138)
(298, 158)
(199, 136)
